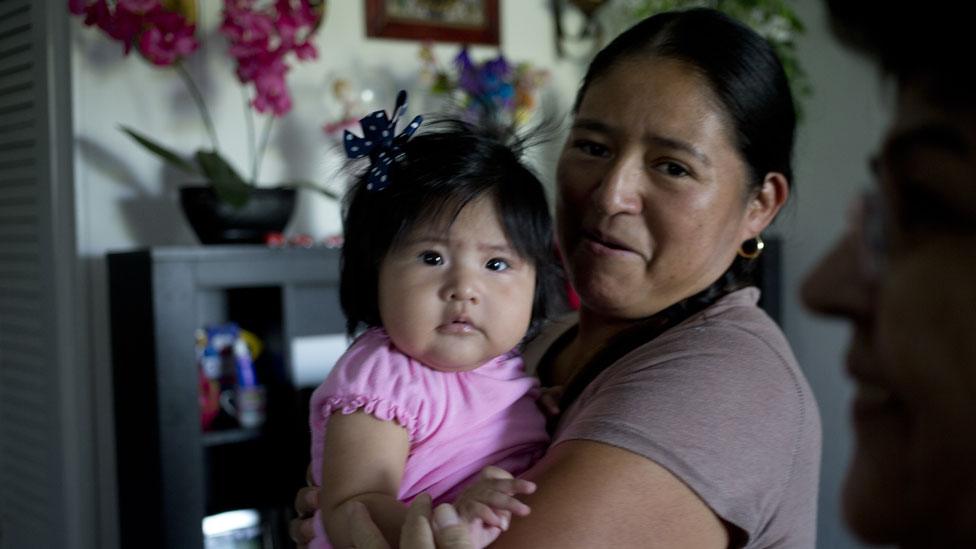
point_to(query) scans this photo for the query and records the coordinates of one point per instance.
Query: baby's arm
(363, 461)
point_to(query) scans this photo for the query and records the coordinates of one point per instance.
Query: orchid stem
(201, 104)
(249, 121)
(265, 137)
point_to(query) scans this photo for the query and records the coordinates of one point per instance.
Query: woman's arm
(592, 494)
(363, 461)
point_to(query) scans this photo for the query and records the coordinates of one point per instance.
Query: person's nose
(619, 191)
(461, 285)
(838, 285)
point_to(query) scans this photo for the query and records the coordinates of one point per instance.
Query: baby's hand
(488, 504)
(549, 400)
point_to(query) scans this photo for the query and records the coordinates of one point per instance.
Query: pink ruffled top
(457, 422)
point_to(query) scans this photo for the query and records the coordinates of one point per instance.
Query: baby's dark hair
(445, 166)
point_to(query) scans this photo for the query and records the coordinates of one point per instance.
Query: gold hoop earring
(750, 249)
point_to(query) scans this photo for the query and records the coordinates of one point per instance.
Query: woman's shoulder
(734, 327)
(739, 306)
(732, 347)
(719, 401)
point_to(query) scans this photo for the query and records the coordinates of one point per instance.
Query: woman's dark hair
(745, 76)
(444, 167)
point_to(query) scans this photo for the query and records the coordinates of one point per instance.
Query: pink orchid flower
(260, 39)
(139, 6)
(123, 25)
(306, 51)
(271, 91)
(260, 34)
(77, 7)
(162, 35)
(167, 39)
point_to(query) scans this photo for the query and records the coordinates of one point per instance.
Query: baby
(448, 263)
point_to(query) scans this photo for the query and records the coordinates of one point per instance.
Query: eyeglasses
(869, 225)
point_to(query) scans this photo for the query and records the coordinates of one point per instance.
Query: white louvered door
(47, 497)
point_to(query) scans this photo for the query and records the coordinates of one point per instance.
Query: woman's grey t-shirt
(720, 402)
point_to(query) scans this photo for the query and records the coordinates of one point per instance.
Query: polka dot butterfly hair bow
(380, 142)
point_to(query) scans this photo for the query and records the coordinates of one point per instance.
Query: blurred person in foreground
(904, 275)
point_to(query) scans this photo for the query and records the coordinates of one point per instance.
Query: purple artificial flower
(497, 68)
(467, 73)
(489, 88)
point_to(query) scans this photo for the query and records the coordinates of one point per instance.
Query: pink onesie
(457, 423)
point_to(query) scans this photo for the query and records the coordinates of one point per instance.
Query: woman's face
(912, 306)
(652, 200)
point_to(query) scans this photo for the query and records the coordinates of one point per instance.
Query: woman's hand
(420, 531)
(549, 400)
(444, 531)
(301, 529)
(487, 505)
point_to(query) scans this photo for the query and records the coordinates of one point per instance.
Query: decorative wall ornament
(464, 21)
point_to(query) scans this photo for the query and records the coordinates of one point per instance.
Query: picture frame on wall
(463, 21)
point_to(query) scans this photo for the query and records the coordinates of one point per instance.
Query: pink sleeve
(376, 378)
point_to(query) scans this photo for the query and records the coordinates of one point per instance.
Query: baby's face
(454, 296)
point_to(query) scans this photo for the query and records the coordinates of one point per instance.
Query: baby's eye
(497, 264)
(431, 258)
(591, 148)
(673, 169)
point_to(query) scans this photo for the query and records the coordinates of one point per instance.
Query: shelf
(231, 436)
(170, 473)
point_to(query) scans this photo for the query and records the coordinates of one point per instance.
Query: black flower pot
(216, 222)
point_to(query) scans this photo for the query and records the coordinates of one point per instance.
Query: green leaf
(312, 187)
(227, 183)
(160, 151)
